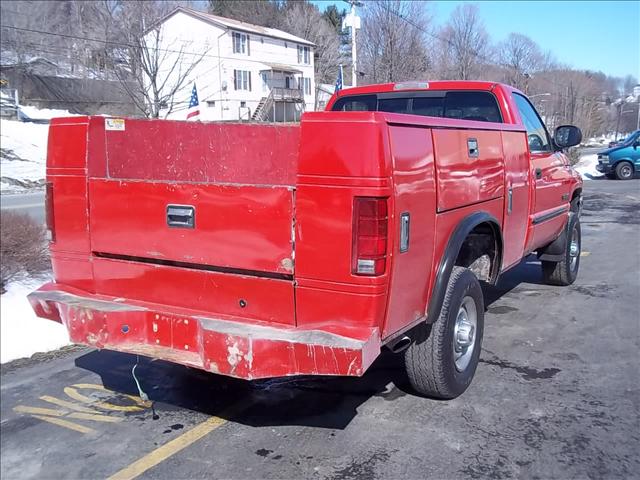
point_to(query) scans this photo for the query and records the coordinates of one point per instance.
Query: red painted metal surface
(203, 152)
(224, 345)
(267, 299)
(263, 284)
(414, 193)
(245, 227)
(464, 179)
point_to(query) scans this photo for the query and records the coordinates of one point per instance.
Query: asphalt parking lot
(557, 395)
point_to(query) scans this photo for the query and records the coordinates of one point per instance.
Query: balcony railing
(287, 93)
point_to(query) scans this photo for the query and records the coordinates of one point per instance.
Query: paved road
(29, 203)
(557, 395)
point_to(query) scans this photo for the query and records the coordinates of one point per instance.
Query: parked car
(623, 160)
(267, 250)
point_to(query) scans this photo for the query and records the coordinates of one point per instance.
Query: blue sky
(594, 35)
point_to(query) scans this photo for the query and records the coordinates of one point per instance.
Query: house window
(240, 43)
(242, 80)
(304, 54)
(306, 85)
(211, 103)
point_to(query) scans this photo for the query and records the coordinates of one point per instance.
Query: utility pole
(352, 21)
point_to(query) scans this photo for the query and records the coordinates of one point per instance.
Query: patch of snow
(586, 167)
(24, 153)
(44, 113)
(22, 333)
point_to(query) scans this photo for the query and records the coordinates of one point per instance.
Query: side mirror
(567, 136)
(636, 144)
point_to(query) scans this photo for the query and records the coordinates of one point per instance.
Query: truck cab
(266, 250)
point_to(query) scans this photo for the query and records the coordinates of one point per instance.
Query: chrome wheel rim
(464, 333)
(625, 171)
(574, 248)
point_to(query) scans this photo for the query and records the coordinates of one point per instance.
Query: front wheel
(624, 171)
(443, 357)
(565, 271)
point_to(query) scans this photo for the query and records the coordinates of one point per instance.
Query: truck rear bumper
(229, 346)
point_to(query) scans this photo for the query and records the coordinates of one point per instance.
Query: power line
(146, 47)
(474, 52)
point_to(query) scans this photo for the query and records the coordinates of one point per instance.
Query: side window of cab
(539, 141)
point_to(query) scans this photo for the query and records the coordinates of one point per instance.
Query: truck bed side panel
(464, 177)
(414, 194)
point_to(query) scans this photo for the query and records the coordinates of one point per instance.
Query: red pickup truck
(266, 250)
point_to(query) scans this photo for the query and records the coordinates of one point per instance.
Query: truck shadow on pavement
(528, 271)
(326, 402)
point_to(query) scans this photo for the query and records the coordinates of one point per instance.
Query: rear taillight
(51, 230)
(369, 253)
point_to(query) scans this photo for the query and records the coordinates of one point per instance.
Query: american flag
(339, 80)
(194, 106)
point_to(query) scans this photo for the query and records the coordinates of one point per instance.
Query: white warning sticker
(114, 124)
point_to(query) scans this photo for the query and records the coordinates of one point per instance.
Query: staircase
(261, 113)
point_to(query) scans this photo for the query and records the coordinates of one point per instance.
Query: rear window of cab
(463, 105)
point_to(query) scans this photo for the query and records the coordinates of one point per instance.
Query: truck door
(517, 193)
(550, 177)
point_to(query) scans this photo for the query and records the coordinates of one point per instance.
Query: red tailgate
(219, 195)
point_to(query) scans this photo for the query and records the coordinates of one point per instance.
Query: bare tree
(305, 20)
(522, 57)
(392, 46)
(259, 12)
(152, 66)
(465, 43)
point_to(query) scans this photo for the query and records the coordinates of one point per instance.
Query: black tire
(565, 271)
(430, 359)
(624, 171)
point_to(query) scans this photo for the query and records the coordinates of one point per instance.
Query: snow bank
(24, 149)
(586, 167)
(44, 113)
(22, 333)
(24, 153)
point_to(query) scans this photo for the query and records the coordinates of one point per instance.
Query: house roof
(229, 23)
(280, 67)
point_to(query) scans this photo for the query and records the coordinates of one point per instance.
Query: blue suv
(623, 160)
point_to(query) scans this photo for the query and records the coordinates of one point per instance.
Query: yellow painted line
(585, 254)
(72, 392)
(38, 411)
(65, 424)
(95, 417)
(68, 405)
(169, 449)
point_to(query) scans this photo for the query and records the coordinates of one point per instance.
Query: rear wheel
(443, 357)
(565, 271)
(624, 171)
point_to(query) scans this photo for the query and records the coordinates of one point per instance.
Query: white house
(244, 71)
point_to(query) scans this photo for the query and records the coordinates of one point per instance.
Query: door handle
(472, 146)
(510, 200)
(538, 173)
(181, 216)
